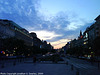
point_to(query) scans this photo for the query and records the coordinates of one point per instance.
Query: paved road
(84, 67)
(80, 61)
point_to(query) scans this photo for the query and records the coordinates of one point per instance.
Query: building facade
(44, 45)
(6, 29)
(97, 26)
(86, 40)
(11, 29)
(36, 41)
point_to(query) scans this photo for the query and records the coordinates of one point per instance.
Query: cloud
(56, 29)
(73, 26)
(46, 35)
(60, 43)
(21, 11)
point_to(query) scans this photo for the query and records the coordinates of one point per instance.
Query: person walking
(34, 59)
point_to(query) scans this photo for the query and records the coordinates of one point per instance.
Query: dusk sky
(56, 21)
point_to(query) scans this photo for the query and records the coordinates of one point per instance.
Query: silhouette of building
(86, 40)
(91, 33)
(44, 45)
(41, 44)
(77, 42)
(36, 41)
(89, 36)
(97, 26)
(66, 47)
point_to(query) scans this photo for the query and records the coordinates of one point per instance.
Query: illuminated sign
(2, 52)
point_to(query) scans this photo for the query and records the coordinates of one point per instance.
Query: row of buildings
(85, 39)
(9, 29)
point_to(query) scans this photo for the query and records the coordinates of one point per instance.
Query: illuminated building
(91, 33)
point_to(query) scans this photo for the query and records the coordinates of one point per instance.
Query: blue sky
(57, 21)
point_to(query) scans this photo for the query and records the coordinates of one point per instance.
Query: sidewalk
(38, 69)
(12, 62)
(49, 68)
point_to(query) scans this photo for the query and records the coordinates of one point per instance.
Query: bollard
(39, 60)
(56, 61)
(2, 66)
(71, 67)
(26, 59)
(14, 63)
(77, 72)
(23, 59)
(20, 60)
(67, 63)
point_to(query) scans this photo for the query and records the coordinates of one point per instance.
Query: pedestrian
(92, 60)
(34, 59)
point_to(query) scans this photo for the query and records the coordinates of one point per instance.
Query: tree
(13, 45)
